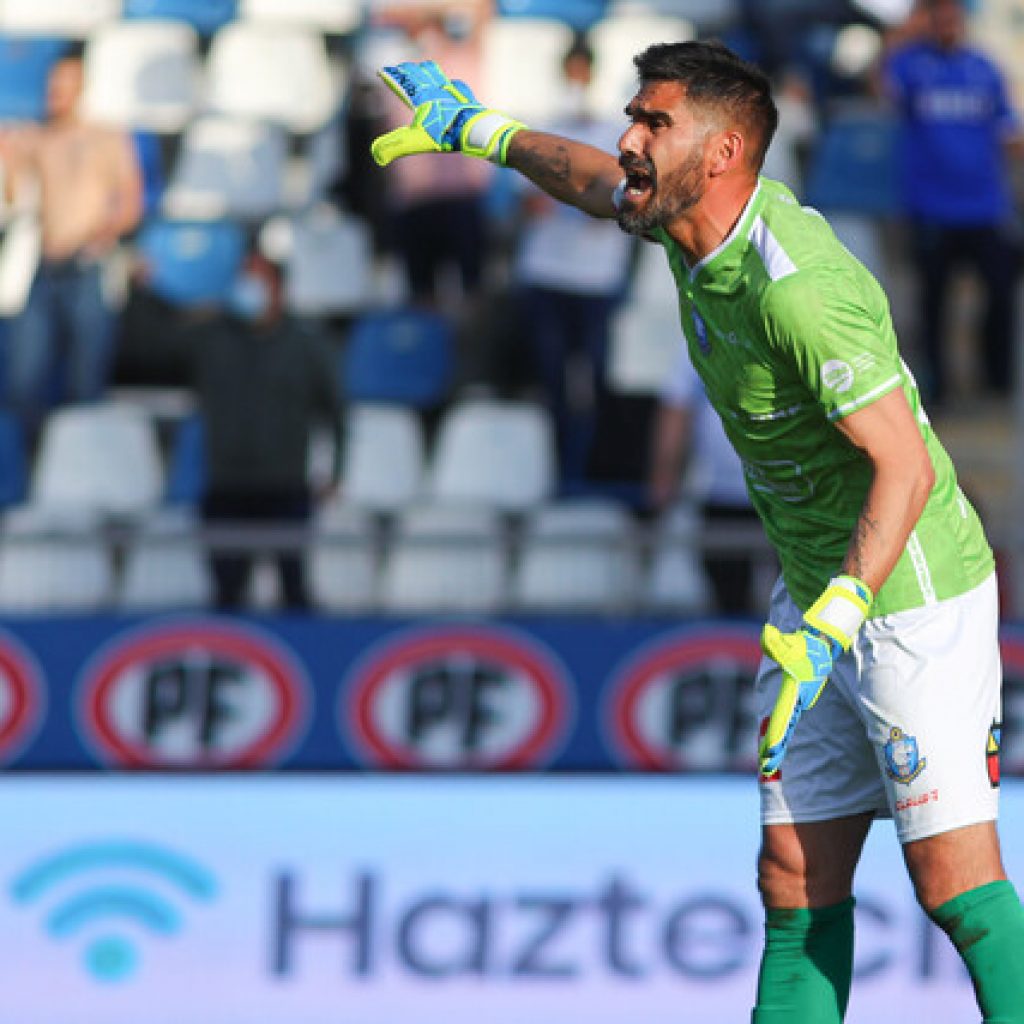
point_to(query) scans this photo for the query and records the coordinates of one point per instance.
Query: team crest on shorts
(995, 735)
(703, 341)
(903, 762)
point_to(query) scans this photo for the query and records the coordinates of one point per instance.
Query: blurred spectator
(84, 180)
(957, 125)
(572, 270)
(437, 215)
(786, 158)
(689, 442)
(263, 382)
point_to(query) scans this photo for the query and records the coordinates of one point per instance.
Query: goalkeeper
(880, 686)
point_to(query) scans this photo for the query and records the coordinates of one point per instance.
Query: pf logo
(456, 698)
(687, 702)
(193, 695)
(1011, 746)
(21, 697)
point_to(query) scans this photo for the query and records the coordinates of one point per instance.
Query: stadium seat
(384, 457)
(337, 17)
(498, 453)
(675, 581)
(24, 69)
(191, 262)
(102, 457)
(53, 560)
(580, 14)
(279, 73)
(342, 559)
(13, 460)
(853, 168)
(532, 97)
(329, 265)
(186, 466)
(68, 19)
(577, 556)
(616, 40)
(445, 558)
(405, 356)
(227, 167)
(165, 565)
(205, 16)
(142, 74)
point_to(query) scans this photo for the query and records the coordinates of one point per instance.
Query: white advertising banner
(413, 900)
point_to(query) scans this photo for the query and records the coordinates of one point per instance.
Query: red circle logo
(457, 698)
(685, 702)
(194, 695)
(21, 697)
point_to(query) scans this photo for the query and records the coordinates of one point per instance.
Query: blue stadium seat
(191, 262)
(24, 68)
(580, 14)
(403, 356)
(186, 467)
(13, 461)
(854, 166)
(205, 16)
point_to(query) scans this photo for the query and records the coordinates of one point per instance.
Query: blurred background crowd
(243, 367)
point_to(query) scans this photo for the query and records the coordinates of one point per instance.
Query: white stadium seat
(507, 42)
(329, 265)
(334, 16)
(577, 556)
(53, 560)
(142, 74)
(103, 457)
(342, 559)
(675, 581)
(66, 19)
(498, 453)
(165, 565)
(279, 73)
(445, 558)
(616, 40)
(227, 167)
(384, 457)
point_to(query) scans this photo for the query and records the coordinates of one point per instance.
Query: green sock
(807, 966)
(987, 927)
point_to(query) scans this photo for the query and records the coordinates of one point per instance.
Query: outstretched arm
(571, 172)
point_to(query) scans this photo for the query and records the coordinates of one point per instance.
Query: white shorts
(907, 725)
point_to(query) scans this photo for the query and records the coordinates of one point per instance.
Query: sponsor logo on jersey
(903, 762)
(837, 375)
(462, 697)
(701, 330)
(202, 694)
(685, 701)
(995, 735)
(21, 697)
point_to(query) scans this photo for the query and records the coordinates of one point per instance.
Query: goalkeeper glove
(447, 117)
(806, 658)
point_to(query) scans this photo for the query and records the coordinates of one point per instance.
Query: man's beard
(682, 189)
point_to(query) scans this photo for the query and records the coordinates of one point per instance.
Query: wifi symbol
(110, 956)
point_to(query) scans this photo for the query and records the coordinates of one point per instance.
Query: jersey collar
(740, 231)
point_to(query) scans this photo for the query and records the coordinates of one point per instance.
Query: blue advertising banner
(223, 693)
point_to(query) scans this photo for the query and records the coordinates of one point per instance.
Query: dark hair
(716, 77)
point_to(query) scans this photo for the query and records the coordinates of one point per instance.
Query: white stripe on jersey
(865, 399)
(920, 563)
(776, 260)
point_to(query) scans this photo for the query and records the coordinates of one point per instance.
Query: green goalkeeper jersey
(789, 334)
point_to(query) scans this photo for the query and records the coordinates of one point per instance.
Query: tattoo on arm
(548, 167)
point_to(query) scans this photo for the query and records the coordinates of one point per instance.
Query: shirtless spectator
(85, 182)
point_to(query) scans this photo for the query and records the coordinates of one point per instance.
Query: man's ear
(727, 150)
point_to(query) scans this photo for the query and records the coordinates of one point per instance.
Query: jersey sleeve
(834, 332)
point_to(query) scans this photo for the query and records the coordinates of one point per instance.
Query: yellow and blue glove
(447, 117)
(806, 658)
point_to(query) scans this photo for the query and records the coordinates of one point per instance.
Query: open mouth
(639, 182)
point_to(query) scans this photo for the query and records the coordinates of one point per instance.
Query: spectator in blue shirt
(957, 128)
